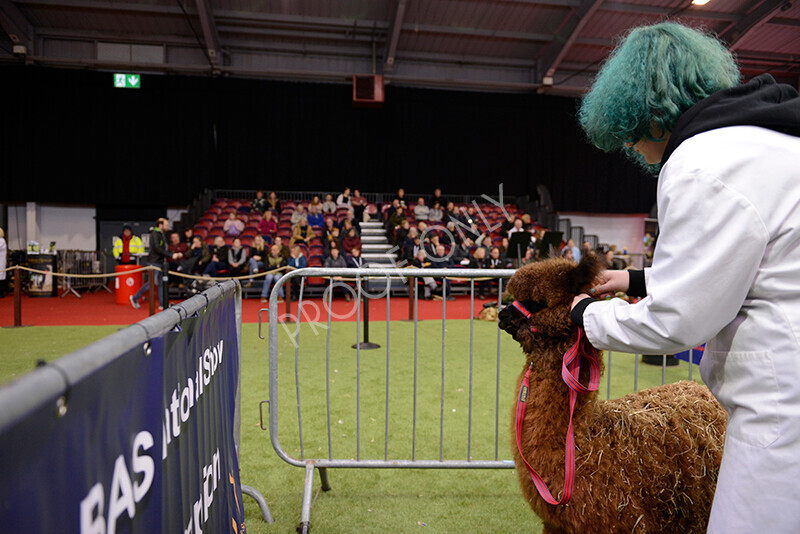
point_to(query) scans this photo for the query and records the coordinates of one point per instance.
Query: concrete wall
(71, 227)
(624, 231)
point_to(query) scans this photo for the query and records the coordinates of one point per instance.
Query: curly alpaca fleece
(646, 462)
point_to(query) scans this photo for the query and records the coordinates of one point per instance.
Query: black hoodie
(760, 102)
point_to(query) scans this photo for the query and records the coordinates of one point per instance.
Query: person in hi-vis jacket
(726, 270)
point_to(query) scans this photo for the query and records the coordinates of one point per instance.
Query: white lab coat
(727, 271)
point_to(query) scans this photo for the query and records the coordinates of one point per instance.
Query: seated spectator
(612, 262)
(336, 261)
(332, 240)
(421, 261)
(401, 233)
(509, 223)
(421, 211)
(566, 253)
(273, 203)
(351, 240)
(178, 249)
(273, 261)
(462, 253)
(412, 233)
(268, 226)
(126, 245)
(329, 206)
(401, 197)
(259, 204)
(435, 213)
(586, 249)
(284, 249)
(531, 256)
(453, 234)
(343, 200)
(518, 227)
(237, 258)
(315, 205)
(389, 212)
(296, 261)
(526, 221)
(219, 257)
(452, 214)
(258, 255)
(412, 249)
(315, 217)
(495, 261)
(302, 233)
(431, 244)
(503, 248)
(327, 229)
(478, 261)
(442, 260)
(576, 253)
(197, 257)
(437, 197)
(354, 259)
(397, 218)
(334, 243)
(188, 234)
(299, 213)
(359, 203)
(233, 226)
(349, 221)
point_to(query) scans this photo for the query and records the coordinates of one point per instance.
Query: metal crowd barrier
(82, 262)
(371, 280)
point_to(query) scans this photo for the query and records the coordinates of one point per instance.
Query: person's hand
(610, 282)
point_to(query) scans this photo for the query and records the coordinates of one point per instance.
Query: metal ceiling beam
(16, 25)
(692, 12)
(566, 36)
(210, 34)
(759, 13)
(395, 27)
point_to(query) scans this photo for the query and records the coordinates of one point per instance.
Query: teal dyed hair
(654, 75)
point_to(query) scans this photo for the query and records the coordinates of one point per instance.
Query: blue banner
(146, 443)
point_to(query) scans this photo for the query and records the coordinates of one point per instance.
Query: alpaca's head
(547, 289)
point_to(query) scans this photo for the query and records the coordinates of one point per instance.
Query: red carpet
(101, 309)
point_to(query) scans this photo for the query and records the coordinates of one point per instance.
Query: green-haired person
(726, 270)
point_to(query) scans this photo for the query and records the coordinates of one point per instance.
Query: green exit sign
(127, 81)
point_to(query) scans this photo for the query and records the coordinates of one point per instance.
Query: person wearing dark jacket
(726, 270)
(157, 256)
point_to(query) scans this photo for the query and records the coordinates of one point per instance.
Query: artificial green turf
(367, 500)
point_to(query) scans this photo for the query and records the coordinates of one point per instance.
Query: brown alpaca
(647, 462)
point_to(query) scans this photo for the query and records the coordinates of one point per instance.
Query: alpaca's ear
(582, 277)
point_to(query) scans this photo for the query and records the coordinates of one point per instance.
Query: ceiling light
(699, 2)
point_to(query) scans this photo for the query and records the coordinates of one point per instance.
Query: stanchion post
(17, 297)
(151, 291)
(287, 318)
(412, 289)
(164, 293)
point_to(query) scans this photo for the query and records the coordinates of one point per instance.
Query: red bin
(126, 285)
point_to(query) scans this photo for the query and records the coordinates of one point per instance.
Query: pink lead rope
(570, 369)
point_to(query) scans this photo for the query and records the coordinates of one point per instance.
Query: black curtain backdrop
(70, 136)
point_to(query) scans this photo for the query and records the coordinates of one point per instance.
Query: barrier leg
(266, 515)
(305, 516)
(323, 479)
